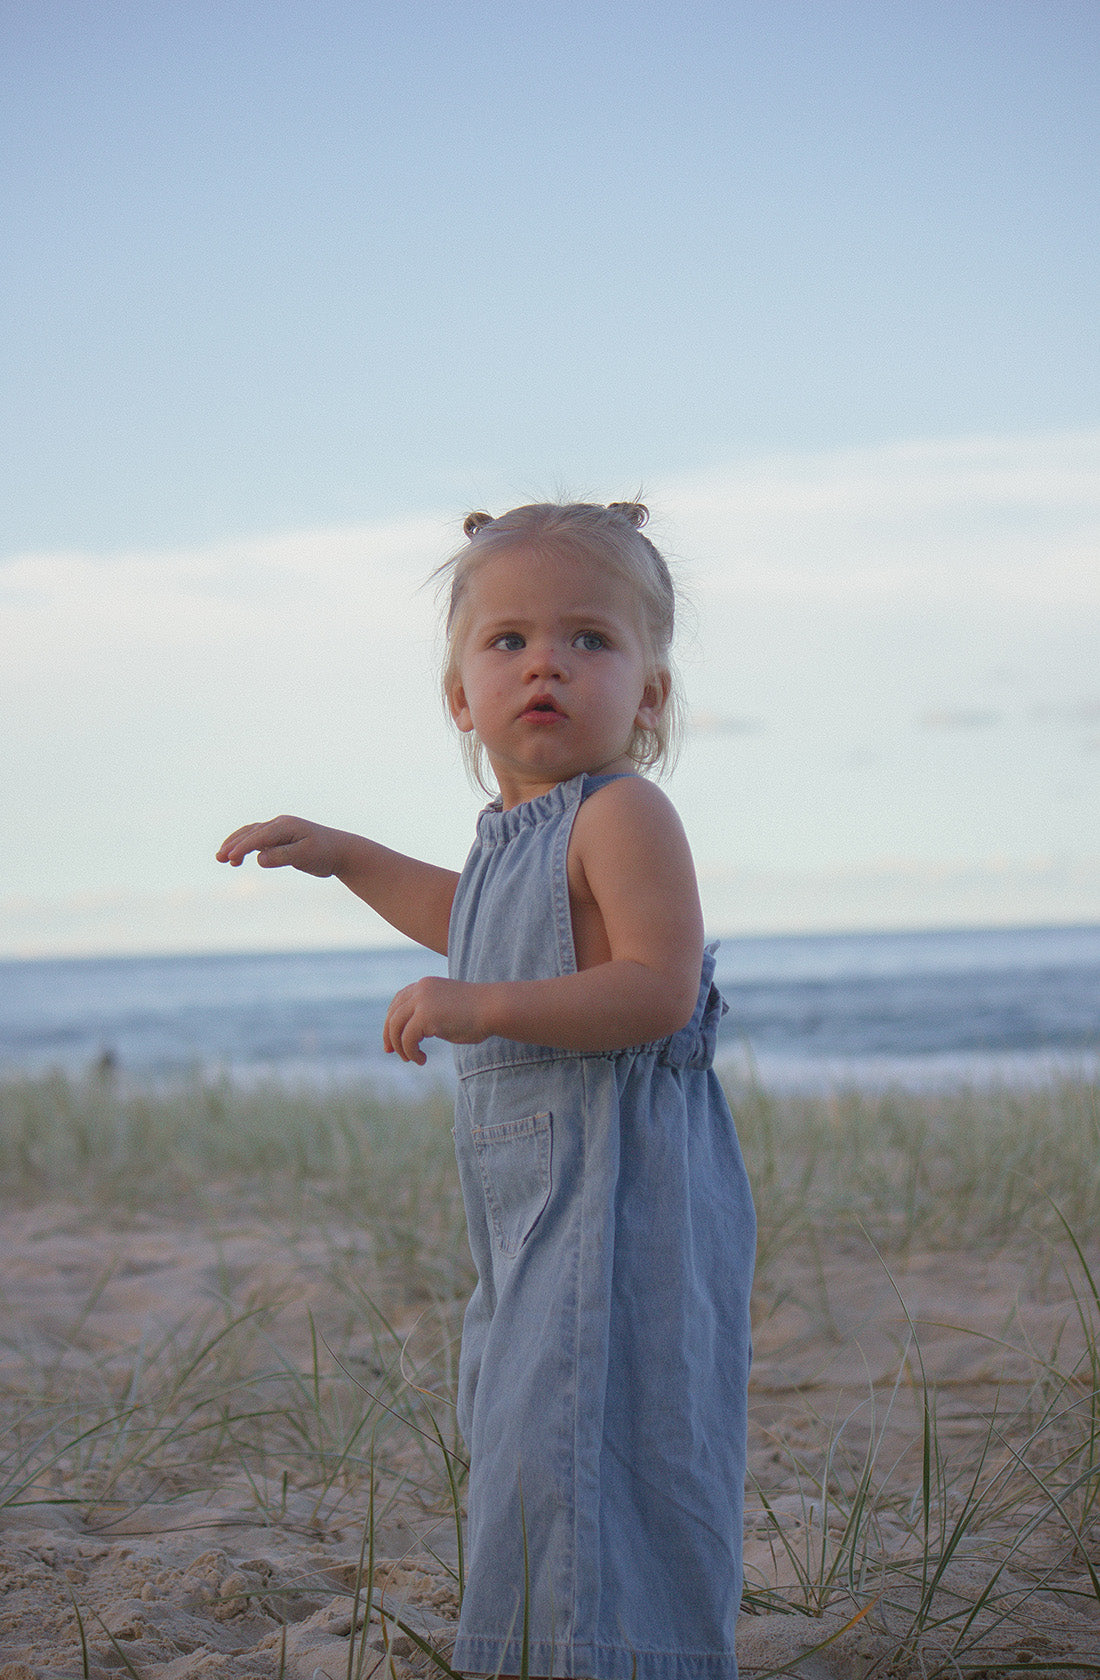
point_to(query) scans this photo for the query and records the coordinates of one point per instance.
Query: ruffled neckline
(497, 825)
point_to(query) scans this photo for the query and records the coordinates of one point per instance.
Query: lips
(542, 708)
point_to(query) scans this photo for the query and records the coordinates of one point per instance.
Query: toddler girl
(605, 1349)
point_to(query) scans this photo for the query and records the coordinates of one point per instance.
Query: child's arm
(636, 909)
(414, 897)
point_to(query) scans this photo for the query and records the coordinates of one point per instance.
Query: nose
(546, 659)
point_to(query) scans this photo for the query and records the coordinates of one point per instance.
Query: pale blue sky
(290, 287)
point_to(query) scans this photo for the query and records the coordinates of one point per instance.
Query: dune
(226, 1415)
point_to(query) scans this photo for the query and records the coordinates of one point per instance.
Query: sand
(158, 1548)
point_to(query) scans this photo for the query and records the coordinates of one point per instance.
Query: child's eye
(590, 641)
(510, 642)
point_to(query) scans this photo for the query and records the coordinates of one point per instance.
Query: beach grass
(925, 1481)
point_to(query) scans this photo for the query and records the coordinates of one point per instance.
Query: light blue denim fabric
(605, 1350)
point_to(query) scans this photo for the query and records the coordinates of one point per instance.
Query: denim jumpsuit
(605, 1350)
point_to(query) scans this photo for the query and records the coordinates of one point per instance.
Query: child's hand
(434, 1008)
(304, 845)
(413, 897)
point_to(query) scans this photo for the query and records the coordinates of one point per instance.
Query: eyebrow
(572, 621)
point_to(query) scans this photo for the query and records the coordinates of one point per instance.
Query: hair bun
(636, 512)
(474, 521)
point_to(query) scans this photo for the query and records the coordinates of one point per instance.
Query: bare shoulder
(628, 832)
(629, 805)
(632, 884)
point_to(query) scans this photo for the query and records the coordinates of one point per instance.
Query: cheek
(479, 692)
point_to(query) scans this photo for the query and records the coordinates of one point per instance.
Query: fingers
(266, 839)
(227, 851)
(404, 1028)
(237, 846)
(403, 1040)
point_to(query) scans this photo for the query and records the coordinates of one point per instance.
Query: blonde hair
(608, 536)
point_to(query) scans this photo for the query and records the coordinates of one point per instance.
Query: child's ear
(654, 699)
(460, 711)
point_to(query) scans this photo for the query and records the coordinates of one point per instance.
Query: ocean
(809, 1012)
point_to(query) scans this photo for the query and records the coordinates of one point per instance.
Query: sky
(289, 288)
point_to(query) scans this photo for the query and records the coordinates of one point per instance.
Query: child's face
(552, 670)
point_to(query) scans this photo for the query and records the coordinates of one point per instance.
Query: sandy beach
(226, 1413)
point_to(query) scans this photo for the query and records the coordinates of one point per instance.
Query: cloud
(242, 910)
(256, 910)
(157, 698)
(1073, 712)
(920, 476)
(979, 520)
(362, 580)
(960, 718)
(713, 723)
(904, 893)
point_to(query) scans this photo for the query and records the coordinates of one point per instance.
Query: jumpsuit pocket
(514, 1158)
